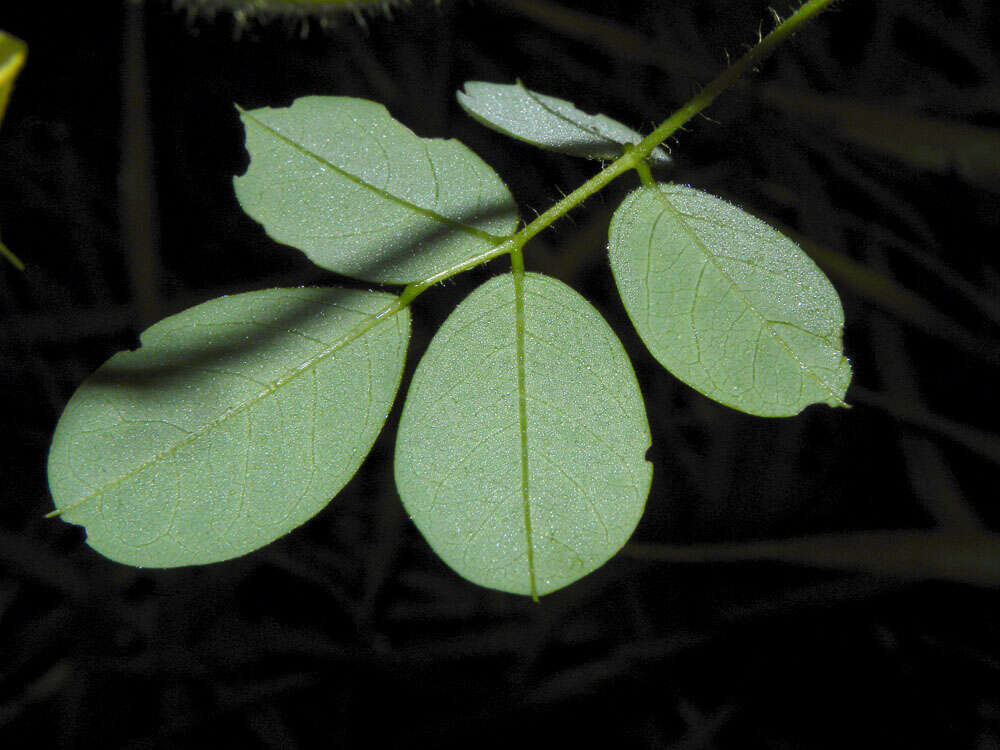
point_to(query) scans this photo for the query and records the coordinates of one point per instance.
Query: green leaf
(13, 53)
(726, 303)
(550, 123)
(526, 479)
(236, 421)
(362, 195)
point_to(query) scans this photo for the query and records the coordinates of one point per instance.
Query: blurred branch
(984, 443)
(884, 291)
(14, 260)
(914, 220)
(931, 478)
(137, 185)
(609, 36)
(972, 558)
(32, 560)
(13, 53)
(926, 143)
(70, 324)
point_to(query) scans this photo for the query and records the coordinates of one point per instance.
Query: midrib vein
(433, 215)
(272, 387)
(522, 416)
(588, 129)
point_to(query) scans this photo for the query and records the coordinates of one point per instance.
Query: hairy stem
(702, 100)
(634, 156)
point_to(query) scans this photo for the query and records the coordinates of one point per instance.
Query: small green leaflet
(362, 195)
(234, 422)
(548, 122)
(729, 305)
(463, 453)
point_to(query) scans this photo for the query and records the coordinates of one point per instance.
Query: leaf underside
(548, 122)
(235, 422)
(460, 461)
(728, 304)
(362, 195)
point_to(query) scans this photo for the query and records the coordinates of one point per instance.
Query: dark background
(872, 135)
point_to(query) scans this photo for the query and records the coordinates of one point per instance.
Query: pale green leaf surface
(548, 122)
(729, 305)
(459, 458)
(234, 422)
(362, 195)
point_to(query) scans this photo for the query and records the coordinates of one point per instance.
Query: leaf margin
(380, 315)
(414, 429)
(596, 126)
(835, 392)
(502, 216)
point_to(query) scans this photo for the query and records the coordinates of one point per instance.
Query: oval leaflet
(530, 516)
(729, 305)
(234, 422)
(361, 194)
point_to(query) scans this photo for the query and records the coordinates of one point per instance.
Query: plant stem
(645, 174)
(726, 79)
(634, 157)
(15, 261)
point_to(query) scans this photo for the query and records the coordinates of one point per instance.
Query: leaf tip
(467, 95)
(660, 157)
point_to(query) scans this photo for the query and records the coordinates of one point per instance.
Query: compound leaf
(524, 483)
(362, 195)
(236, 421)
(548, 122)
(729, 305)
